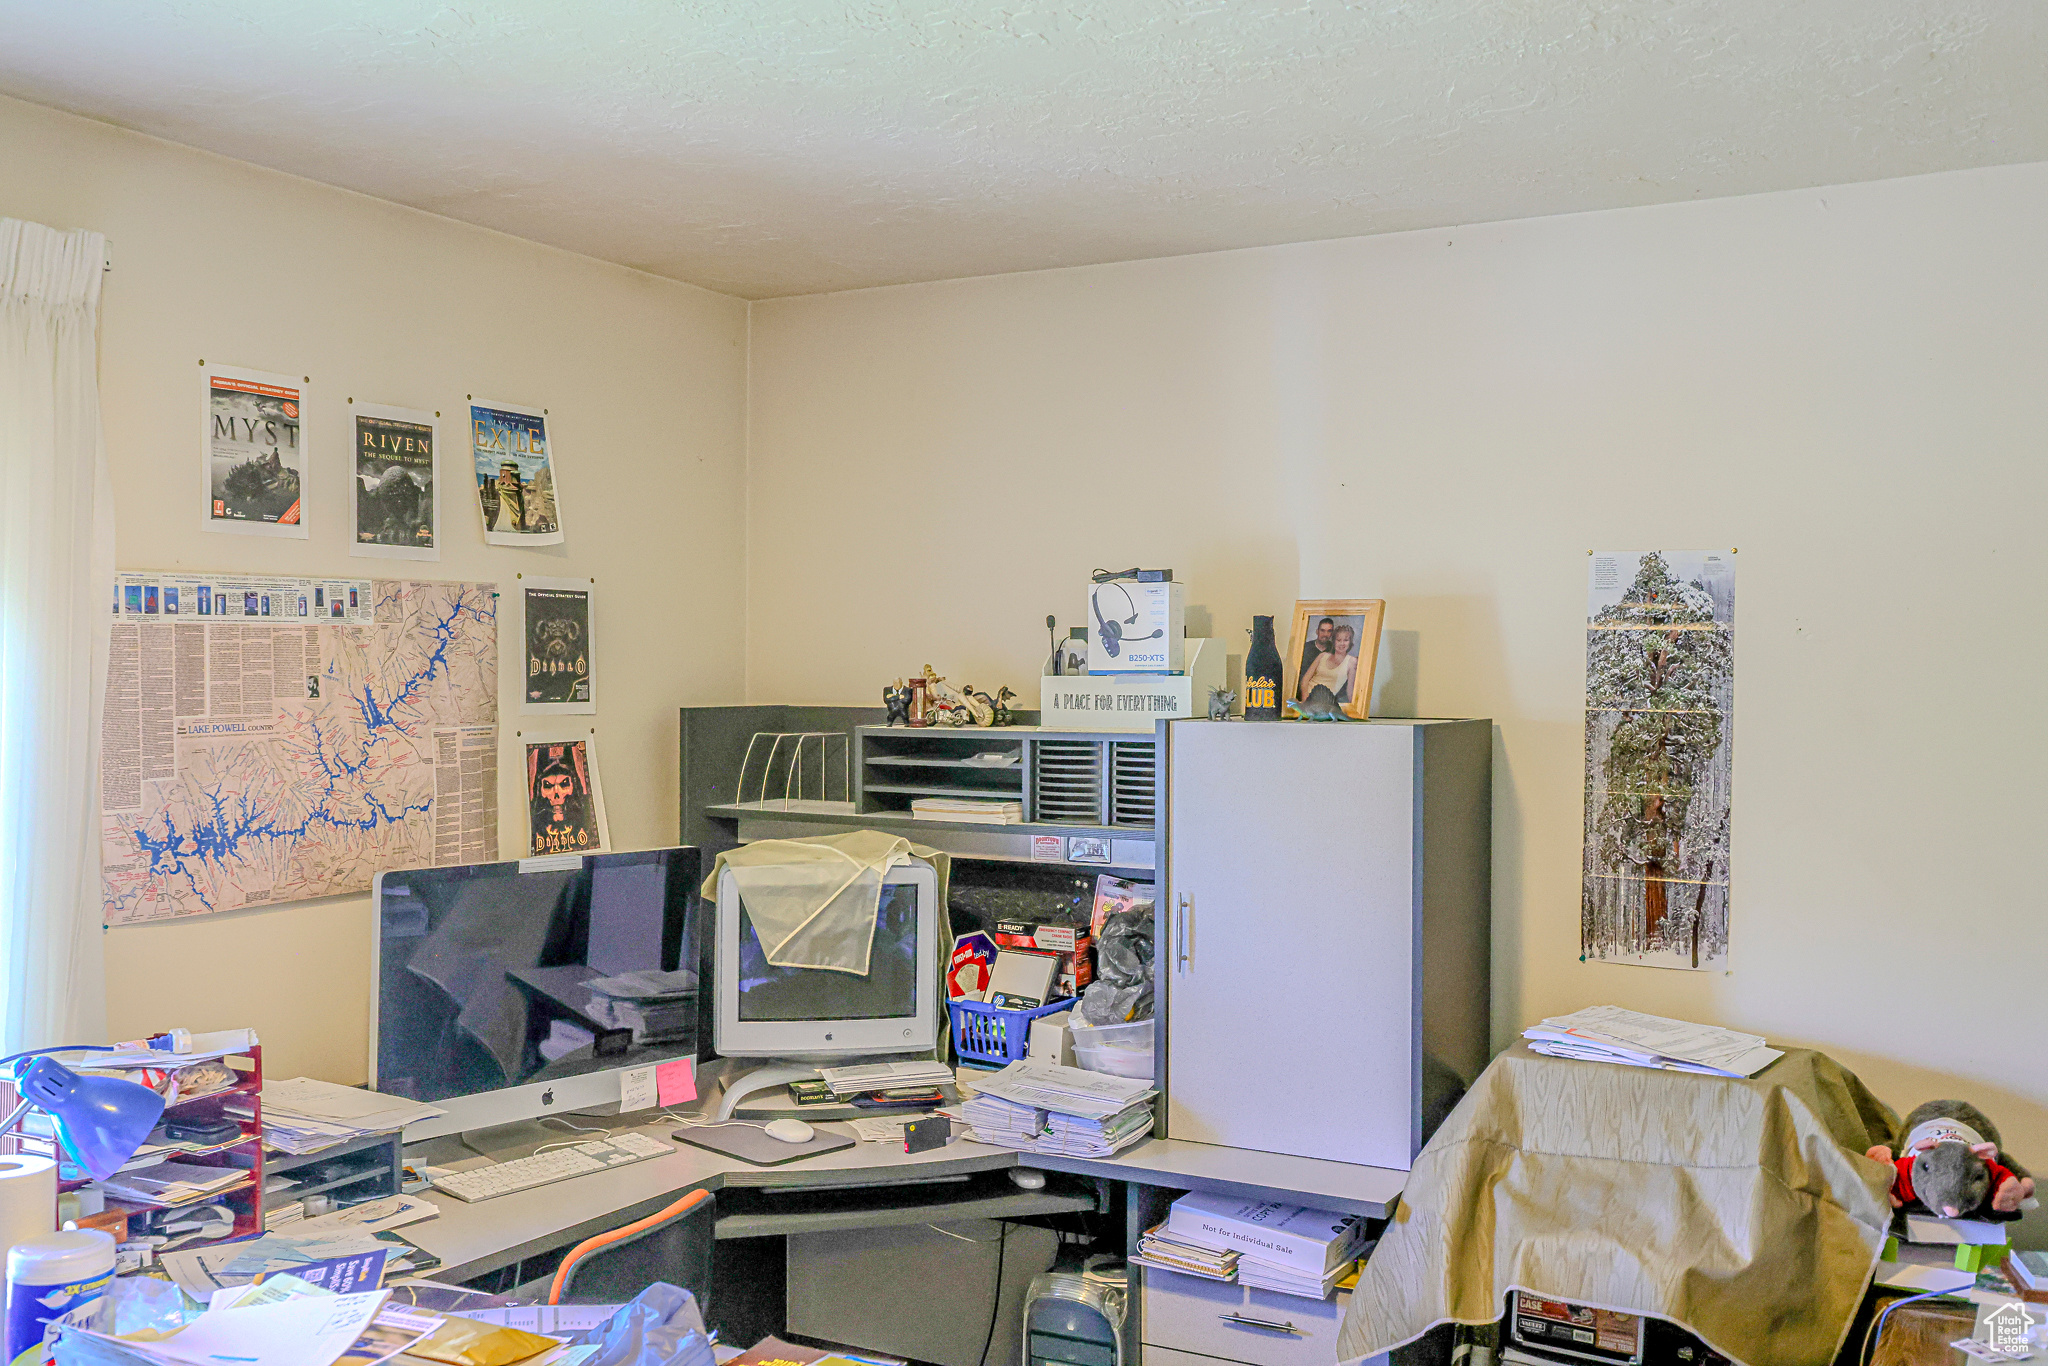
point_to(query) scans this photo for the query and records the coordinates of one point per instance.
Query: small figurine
(1320, 706)
(1953, 1162)
(896, 698)
(1219, 704)
(980, 706)
(1003, 715)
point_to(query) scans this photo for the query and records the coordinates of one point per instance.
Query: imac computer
(804, 1016)
(507, 991)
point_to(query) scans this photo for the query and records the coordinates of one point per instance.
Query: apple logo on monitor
(547, 1097)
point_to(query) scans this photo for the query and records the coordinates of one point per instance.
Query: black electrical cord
(995, 1307)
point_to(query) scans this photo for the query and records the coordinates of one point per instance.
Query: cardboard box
(1136, 627)
(974, 957)
(1133, 701)
(1052, 1039)
(1073, 943)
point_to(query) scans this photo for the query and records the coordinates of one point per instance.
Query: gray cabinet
(1324, 932)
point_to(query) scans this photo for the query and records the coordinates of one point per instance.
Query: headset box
(1136, 627)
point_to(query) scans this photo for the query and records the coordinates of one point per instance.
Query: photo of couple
(1333, 647)
(1330, 659)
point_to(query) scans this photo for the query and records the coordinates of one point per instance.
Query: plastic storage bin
(1122, 1050)
(985, 1033)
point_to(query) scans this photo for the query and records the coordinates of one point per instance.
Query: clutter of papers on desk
(1291, 1249)
(291, 1321)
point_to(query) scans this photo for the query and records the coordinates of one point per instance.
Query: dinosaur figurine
(1321, 706)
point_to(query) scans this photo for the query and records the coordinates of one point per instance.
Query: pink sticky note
(675, 1081)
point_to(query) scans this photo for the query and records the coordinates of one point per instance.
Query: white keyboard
(524, 1173)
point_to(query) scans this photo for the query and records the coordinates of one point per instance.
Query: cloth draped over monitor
(852, 919)
(813, 902)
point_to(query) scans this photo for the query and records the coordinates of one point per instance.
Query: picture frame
(1349, 682)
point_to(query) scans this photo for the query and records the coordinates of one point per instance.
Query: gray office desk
(473, 1239)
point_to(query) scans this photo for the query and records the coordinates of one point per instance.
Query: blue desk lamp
(101, 1121)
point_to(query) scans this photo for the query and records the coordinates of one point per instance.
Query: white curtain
(56, 593)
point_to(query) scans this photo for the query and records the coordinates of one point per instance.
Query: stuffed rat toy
(1953, 1163)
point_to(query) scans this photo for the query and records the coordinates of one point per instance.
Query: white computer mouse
(789, 1131)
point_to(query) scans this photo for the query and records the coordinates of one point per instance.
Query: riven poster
(395, 487)
(515, 474)
(560, 646)
(252, 452)
(1660, 695)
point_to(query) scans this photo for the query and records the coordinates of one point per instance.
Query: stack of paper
(1068, 1090)
(1006, 1124)
(1043, 1107)
(1159, 1248)
(1611, 1034)
(976, 810)
(1286, 1248)
(167, 1184)
(304, 1116)
(1265, 1276)
(884, 1076)
(329, 1237)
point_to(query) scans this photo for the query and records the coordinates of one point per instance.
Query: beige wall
(643, 379)
(1846, 385)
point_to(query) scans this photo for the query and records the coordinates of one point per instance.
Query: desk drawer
(1262, 1328)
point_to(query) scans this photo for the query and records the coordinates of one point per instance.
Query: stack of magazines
(975, 810)
(1042, 1107)
(1286, 1248)
(1159, 1248)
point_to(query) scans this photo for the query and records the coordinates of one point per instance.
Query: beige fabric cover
(1739, 1208)
(813, 902)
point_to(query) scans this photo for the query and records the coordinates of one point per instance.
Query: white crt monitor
(817, 1014)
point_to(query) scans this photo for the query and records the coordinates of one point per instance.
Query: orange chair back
(604, 1240)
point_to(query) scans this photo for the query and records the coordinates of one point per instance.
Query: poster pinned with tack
(395, 507)
(564, 798)
(561, 646)
(515, 474)
(252, 452)
(1660, 701)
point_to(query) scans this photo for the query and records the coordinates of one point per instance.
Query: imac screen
(888, 992)
(490, 977)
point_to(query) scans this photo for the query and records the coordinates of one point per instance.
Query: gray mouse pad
(749, 1144)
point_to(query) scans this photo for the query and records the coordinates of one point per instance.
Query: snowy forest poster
(1660, 692)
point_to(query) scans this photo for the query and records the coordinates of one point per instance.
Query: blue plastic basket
(986, 1033)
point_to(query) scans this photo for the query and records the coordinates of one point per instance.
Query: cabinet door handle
(1180, 935)
(1269, 1325)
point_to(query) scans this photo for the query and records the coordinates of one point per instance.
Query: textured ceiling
(785, 146)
